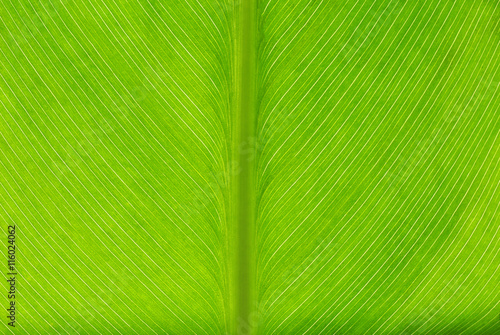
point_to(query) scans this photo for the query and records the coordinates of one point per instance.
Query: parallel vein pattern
(378, 167)
(115, 120)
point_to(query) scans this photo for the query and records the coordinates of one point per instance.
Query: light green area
(251, 167)
(378, 180)
(115, 141)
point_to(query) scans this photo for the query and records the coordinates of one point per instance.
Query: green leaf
(378, 175)
(250, 166)
(115, 125)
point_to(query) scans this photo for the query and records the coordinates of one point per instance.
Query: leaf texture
(116, 127)
(253, 167)
(377, 208)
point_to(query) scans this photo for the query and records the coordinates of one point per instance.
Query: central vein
(244, 152)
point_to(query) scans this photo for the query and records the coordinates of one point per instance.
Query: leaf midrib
(242, 174)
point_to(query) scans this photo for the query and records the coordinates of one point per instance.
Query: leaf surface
(116, 128)
(377, 208)
(251, 167)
